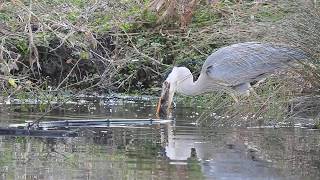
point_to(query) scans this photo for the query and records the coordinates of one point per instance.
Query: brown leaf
(186, 16)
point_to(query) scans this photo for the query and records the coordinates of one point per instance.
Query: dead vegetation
(56, 47)
(302, 30)
(111, 46)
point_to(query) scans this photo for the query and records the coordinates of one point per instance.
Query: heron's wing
(245, 62)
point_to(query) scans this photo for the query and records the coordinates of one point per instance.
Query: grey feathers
(246, 62)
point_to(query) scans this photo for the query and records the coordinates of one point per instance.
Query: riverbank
(55, 49)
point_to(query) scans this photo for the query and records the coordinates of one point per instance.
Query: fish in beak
(165, 101)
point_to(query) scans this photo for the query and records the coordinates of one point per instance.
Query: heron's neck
(192, 88)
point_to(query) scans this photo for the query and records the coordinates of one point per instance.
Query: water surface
(173, 150)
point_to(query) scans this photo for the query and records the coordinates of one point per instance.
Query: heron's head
(169, 86)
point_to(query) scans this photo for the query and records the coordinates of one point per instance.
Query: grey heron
(230, 69)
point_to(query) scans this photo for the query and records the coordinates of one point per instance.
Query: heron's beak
(164, 104)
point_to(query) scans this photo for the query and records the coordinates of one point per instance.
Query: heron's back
(244, 61)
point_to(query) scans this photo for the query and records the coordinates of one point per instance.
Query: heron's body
(231, 69)
(247, 62)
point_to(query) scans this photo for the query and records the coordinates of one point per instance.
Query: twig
(63, 40)
(141, 53)
(33, 55)
(123, 81)
(65, 79)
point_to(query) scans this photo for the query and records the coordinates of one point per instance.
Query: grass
(117, 46)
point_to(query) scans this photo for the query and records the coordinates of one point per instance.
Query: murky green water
(174, 150)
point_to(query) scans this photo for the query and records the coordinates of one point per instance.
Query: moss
(73, 16)
(79, 3)
(43, 38)
(22, 46)
(126, 26)
(85, 55)
(150, 17)
(204, 16)
(101, 23)
(4, 16)
(271, 13)
(134, 10)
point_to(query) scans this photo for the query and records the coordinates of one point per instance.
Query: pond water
(173, 150)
